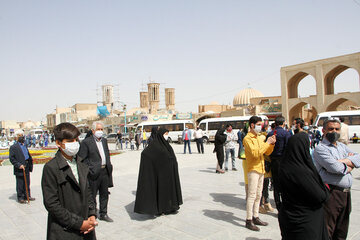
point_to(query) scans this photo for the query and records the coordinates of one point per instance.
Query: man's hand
(22, 167)
(347, 162)
(271, 140)
(349, 169)
(88, 225)
(351, 154)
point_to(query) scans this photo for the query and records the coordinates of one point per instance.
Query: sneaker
(234, 169)
(250, 225)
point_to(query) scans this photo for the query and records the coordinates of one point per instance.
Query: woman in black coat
(158, 190)
(303, 193)
(220, 138)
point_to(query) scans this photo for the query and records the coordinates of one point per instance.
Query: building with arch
(324, 72)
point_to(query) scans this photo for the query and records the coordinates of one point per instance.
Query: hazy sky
(58, 52)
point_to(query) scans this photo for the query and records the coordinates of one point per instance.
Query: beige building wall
(144, 100)
(214, 108)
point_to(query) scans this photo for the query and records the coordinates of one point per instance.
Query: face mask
(306, 128)
(332, 137)
(257, 128)
(71, 149)
(229, 129)
(166, 137)
(98, 134)
(21, 139)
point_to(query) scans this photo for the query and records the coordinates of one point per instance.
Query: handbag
(242, 153)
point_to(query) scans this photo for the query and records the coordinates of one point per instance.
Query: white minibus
(351, 118)
(211, 125)
(175, 127)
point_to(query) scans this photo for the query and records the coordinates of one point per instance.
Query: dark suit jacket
(17, 159)
(91, 155)
(67, 201)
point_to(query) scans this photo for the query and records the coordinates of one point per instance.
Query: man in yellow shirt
(255, 148)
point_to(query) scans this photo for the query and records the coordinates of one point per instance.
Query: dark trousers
(265, 191)
(101, 184)
(275, 167)
(20, 186)
(337, 214)
(188, 143)
(200, 145)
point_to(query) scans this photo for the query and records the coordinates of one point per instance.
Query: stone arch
(293, 84)
(333, 106)
(330, 77)
(297, 111)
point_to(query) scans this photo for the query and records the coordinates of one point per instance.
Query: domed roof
(243, 97)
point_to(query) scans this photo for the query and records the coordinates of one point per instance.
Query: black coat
(91, 155)
(17, 159)
(158, 189)
(68, 202)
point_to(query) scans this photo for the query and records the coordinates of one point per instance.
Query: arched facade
(324, 72)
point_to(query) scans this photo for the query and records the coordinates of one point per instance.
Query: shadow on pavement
(13, 197)
(135, 216)
(254, 238)
(224, 216)
(229, 199)
(208, 170)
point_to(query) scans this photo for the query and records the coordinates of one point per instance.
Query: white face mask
(166, 137)
(257, 128)
(71, 149)
(98, 134)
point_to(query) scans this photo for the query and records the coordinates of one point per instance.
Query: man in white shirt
(199, 139)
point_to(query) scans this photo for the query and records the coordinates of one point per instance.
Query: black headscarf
(300, 183)
(220, 137)
(159, 189)
(153, 134)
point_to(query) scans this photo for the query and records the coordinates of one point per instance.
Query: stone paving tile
(214, 205)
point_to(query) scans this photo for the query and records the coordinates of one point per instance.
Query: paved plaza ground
(214, 204)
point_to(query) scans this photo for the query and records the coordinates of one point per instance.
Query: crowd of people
(310, 176)
(31, 140)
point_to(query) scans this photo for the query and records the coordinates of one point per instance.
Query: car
(111, 138)
(82, 137)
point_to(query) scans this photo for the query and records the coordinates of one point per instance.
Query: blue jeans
(188, 143)
(232, 151)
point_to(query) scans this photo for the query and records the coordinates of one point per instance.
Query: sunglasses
(331, 129)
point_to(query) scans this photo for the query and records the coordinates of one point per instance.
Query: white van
(211, 125)
(36, 132)
(351, 118)
(175, 127)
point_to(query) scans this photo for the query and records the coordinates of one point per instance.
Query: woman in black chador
(158, 189)
(303, 193)
(220, 138)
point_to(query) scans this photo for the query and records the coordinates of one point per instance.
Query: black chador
(220, 138)
(303, 193)
(158, 189)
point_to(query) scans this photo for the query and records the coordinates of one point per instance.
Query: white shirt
(198, 134)
(100, 147)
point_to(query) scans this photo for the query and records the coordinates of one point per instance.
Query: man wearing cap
(334, 162)
(21, 159)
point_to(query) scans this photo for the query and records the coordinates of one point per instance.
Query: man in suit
(22, 160)
(95, 152)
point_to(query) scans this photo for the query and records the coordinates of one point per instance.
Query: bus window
(346, 119)
(189, 125)
(202, 126)
(147, 128)
(355, 120)
(321, 121)
(214, 125)
(179, 127)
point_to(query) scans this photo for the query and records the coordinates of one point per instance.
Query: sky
(58, 53)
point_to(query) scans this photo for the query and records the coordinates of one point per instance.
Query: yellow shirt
(144, 136)
(255, 148)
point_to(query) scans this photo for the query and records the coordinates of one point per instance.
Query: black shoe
(105, 218)
(234, 169)
(226, 169)
(257, 221)
(31, 199)
(250, 225)
(22, 201)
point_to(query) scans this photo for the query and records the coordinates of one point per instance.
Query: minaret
(170, 98)
(154, 98)
(144, 100)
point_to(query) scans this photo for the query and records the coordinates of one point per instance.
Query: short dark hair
(329, 120)
(66, 131)
(300, 121)
(342, 119)
(254, 120)
(228, 125)
(279, 120)
(273, 125)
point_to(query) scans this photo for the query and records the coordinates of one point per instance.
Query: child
(132, 144)
(66, 192)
